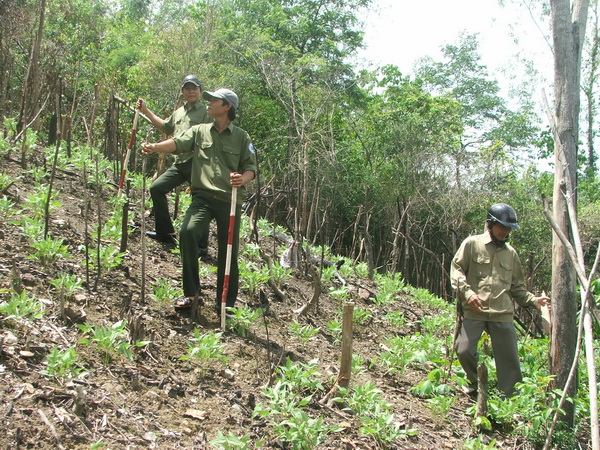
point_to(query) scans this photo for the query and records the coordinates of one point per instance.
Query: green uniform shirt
(216, 156)
(494, 274)
(181, 120)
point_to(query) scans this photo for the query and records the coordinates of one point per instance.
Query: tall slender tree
(568, 29)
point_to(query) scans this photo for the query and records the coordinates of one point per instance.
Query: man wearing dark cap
(223, 158)
(193, 112)
(487, 274)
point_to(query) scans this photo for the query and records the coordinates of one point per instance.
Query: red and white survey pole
(230, 232)
(129, 147)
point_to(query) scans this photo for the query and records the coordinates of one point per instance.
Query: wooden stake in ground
(346, 363)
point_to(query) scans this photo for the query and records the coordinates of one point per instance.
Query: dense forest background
(387, 168)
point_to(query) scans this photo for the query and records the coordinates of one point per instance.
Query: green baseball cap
(191, 79)
(226, 94)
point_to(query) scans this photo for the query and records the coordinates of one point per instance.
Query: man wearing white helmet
(487, 274)
(223, 157)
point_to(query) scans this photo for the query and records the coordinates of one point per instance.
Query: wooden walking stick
(228, 260)
(129, 147)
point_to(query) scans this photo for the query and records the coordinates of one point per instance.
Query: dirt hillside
(157, 400)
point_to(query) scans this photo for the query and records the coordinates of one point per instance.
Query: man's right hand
(141, 105)
(475, 303)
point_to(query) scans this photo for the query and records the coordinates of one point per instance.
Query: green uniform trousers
(195, 227)
(174, 176)
(504, 345)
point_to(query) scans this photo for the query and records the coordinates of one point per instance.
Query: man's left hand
(542, 301)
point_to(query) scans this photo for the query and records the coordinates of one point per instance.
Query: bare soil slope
(156, 400)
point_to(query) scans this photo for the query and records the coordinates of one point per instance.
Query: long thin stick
(229, 251)
(143, 231)
(129, 147)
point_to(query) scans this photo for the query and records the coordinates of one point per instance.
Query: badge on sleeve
(251, 148)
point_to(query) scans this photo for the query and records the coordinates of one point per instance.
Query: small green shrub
(373, 412)
(48, 251)
(230, 441)
(204, 347)
(240, 320)
(62, 364)
(8, 208)
(21, 306)
(252, 277)
(361, 316)
(303, 333)
(111, 341)
(335, 329)
(67, 284)
(396, 319)
(165, 291)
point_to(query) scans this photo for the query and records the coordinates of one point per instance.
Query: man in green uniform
(223, 157)
(487, 273)
(193, 112)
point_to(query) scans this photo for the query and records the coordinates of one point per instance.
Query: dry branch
(583, 322)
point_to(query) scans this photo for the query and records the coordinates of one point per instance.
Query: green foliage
(32, 229)
(301, 378)
(286, 403)
(204, 347)
(340, 293)
(21, 306)
(388, 288)
(240, 320)
(335, 329)
(252, 277)
(433, 386)
(110, 258)
(230, 441)
(302, 431)
(251, 250)
(396, 319)
(164, 291)
(373, 412)
(6, 181)
(8, 208)
(111, 341)
(405, 350)
(439, 325)
(62, 364)
(67, 284)
(303, 333)
(280, 274)
(361, 316)
(35, 203)
(440, 405)
(48, 251)
(479, 443)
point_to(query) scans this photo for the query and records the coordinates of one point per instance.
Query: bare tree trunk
(588, 90)
(568, 30)
(33, 86)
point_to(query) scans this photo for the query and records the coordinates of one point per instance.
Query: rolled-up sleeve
(185, 141)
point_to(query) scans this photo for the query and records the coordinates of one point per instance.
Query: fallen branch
(52, 429)
(317, 287)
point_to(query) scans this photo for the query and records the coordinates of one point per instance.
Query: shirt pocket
(205, 149)
(231, 157)
(481, 266)
(505, 272)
